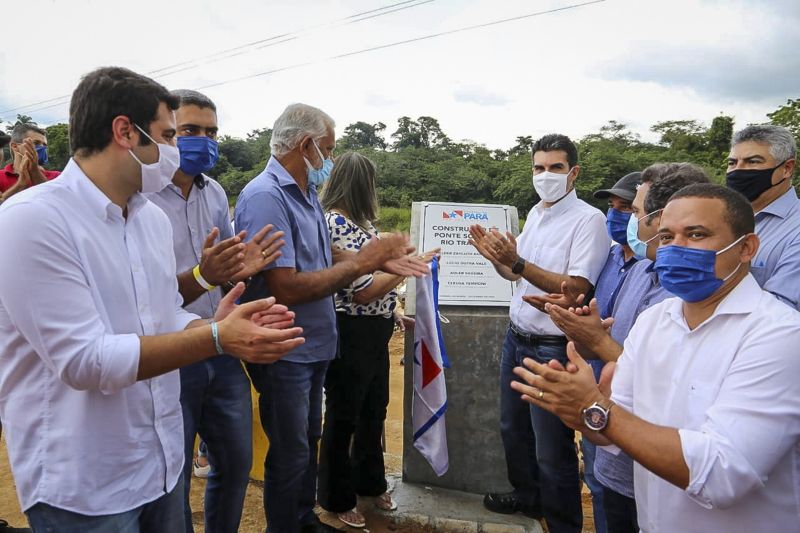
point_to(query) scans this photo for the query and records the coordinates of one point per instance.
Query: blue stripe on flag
(427, 425)
(435, 273)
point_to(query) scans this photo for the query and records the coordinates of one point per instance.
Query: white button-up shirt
(80, 284)
(731, 388)
(568, 238)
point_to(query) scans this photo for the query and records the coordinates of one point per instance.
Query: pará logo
(464, 215)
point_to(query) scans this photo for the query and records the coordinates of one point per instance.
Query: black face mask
(752, 182)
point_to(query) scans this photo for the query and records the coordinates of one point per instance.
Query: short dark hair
(190, 97)
(738, 211)
(106, 93)
(20, 131)
(4, 140)
(667, 180)
(553, 142)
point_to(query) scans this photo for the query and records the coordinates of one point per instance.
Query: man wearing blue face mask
(304, 277)
(215, 393)
(29, 150)
(760, 166)
(705, 397)
(639, 290)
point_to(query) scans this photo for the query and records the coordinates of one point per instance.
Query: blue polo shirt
(608, 284)
(273, 197)
(639, 291)
(776, 265)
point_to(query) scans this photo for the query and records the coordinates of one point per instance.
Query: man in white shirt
(564, 241)
(705, 397)
(92, 328)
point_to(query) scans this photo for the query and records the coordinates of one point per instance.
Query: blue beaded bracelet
(215, 335)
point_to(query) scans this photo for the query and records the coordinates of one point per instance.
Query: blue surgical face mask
(318, 176)
(199, 154)
(617, 225)
(41, 151)
(689, 273)
(639, 248)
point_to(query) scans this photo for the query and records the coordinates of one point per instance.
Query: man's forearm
(657, 448)
(164, 353)
(302, 287)
(608, 350)
(189, 288)
(545, 280)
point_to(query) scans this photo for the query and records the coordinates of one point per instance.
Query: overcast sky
(570, 71)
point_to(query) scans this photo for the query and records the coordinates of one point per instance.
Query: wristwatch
(595, 417)
(518, 266)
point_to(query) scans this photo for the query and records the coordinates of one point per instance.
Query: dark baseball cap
(625, 188)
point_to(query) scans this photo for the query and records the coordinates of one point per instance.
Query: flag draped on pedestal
(430, 360)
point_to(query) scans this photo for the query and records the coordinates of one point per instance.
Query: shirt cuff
(696, 448)
(119, 365)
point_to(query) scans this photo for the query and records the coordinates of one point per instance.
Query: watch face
(595, 417)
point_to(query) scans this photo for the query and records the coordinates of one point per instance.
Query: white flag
(430, 360)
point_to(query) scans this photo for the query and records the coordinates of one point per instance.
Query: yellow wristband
(200, 280)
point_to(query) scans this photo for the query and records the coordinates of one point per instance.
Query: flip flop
(385, 502)
(357, 523)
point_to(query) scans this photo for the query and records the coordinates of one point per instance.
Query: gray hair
(298, 121)
(351, 188)
(20, 132)
(781, 143)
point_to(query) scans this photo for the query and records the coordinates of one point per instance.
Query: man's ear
(124, 133)
(788, 170)
(750, 246)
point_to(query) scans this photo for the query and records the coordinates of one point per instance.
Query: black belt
(536, 340)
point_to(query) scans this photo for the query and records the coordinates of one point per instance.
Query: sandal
(384, 502)
(201, 471)
(352, 518)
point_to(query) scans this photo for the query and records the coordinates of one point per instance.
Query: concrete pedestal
(473, 340)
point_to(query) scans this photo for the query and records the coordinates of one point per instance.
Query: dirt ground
(253, 520)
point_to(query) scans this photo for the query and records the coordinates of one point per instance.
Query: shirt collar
(9, 170)
(97, 201)
(286, 180)
(782, 205)
(559, 207)
(742, 300)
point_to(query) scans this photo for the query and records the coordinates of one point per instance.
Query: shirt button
(647, 302)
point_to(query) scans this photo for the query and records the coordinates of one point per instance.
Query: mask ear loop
(731, 245)
(642, 218)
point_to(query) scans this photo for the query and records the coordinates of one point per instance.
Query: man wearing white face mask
(304, 277)
(564, 241)
(92, 329)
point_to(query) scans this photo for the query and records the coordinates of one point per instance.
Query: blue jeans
(516, 430)
(290, 404)
(215, 397)
(556, 453)
(164, 515)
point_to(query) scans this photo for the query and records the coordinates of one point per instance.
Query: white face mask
(158, 175)
(550, 186)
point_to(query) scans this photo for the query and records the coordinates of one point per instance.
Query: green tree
(363, 135)
(58, 151)
(788, 116)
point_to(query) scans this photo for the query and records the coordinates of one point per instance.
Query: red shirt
(8, 178)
